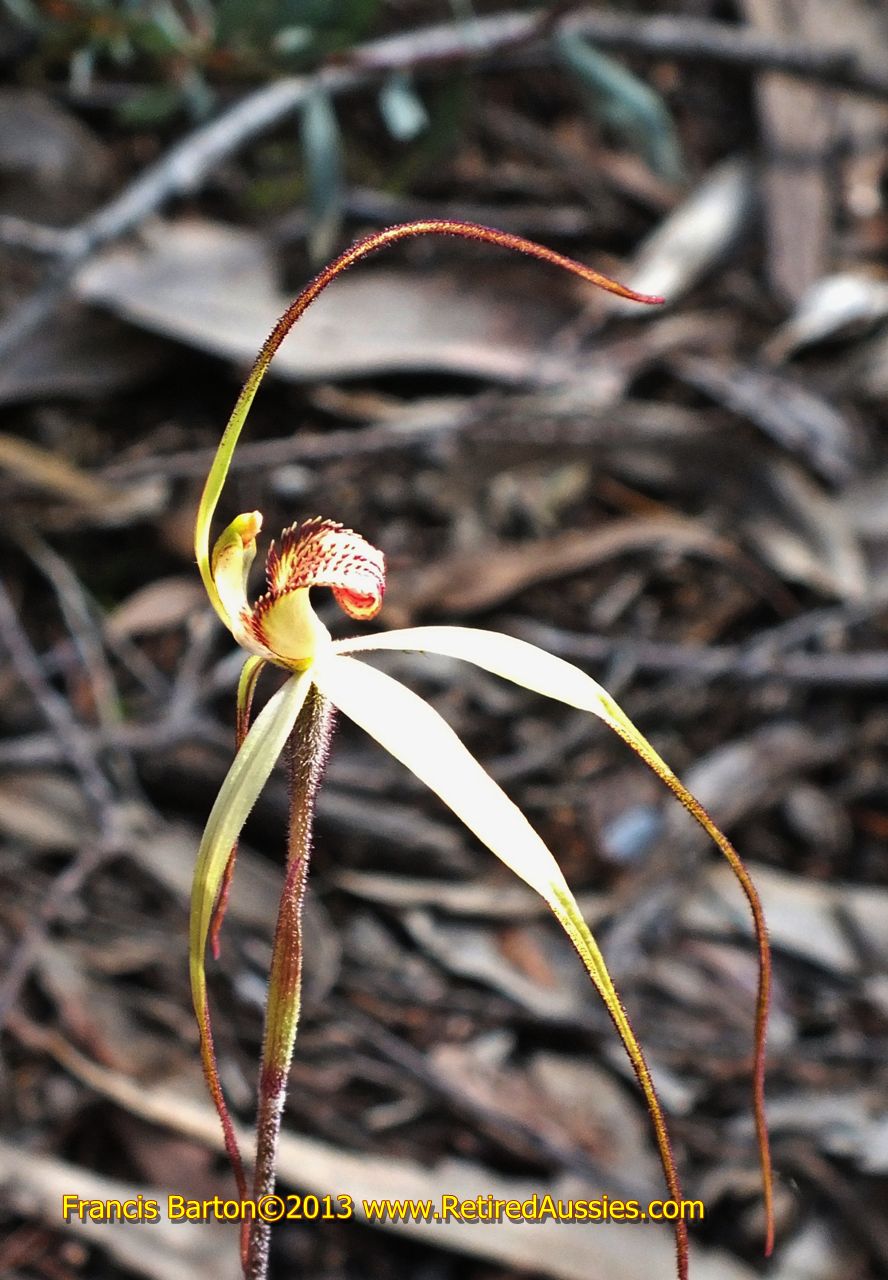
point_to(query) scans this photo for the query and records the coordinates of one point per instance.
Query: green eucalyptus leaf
(626, 104)
(150, 106)
(401, 107)
(322, 156)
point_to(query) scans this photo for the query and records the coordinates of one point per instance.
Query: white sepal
(248, 774)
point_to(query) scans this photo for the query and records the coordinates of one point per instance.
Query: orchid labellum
(280, 629)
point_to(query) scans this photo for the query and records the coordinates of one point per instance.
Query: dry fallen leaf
(466, 898)
(588, 1101)
(162, 605)
(42, 469)
(813, 1253)
(83, 498)
(42, 809)
(805, 124)
(849, 1125)
(469, 582)
(78, 353)
(34, 1184)
(214, 287)
(471, 951)
(803, 916)
(693, 238)
(167, 853)
(801, 421)
(52, 166)
(804, 533)
(835, 305)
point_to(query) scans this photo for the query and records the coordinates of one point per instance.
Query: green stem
(307, 756)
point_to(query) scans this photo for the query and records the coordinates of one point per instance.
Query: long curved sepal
(350, 257)
(243, 784)
(420, 739)
(546, 674)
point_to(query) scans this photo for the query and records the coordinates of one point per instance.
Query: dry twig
(77, 749)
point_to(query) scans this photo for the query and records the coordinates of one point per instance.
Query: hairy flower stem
(587, 948)
(307, 751)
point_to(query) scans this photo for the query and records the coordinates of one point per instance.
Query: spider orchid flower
(281, 629)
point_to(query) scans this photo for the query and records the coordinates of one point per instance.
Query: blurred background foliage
(180, 56)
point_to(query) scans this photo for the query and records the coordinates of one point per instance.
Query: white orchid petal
(518, 661)
(414, 733)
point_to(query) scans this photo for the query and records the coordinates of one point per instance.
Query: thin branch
(668, 36)
(85, 629)
(702, 40)
(78, 749)
(183, 170)
(307, 446)
(751, 662)
(63, 890)
(76, 744)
